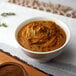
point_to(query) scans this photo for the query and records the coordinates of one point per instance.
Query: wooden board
(32, 71)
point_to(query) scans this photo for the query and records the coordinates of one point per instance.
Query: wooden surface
(5, 57)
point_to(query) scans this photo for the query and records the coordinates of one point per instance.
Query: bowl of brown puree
(42, 38)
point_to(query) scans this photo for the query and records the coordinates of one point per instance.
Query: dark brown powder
(11, 70)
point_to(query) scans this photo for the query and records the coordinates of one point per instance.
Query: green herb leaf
(38, 45)
(34, 32)
(48, 31)
(3, 25)
(8, 14)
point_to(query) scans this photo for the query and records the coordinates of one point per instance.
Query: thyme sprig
(3, 25)
(35, 32)
(38, 45)
(7, 14)
(48, 31)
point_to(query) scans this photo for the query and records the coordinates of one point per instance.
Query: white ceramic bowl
(44, 56)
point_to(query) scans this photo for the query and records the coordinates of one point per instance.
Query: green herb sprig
(7, 14)
(35, 32)
(48, 31)
(3, 25)
(38, 45)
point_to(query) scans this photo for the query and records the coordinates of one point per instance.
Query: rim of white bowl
(43, 18)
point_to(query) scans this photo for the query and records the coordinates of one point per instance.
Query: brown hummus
(12, 69)
(41, 36)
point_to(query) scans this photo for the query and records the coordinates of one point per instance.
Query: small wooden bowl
(12, 69)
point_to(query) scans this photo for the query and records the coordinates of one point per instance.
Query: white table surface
(63, 65)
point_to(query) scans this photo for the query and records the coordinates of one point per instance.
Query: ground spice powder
(11, 70)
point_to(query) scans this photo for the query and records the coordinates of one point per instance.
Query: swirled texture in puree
(41, 36)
